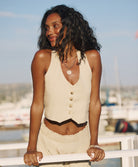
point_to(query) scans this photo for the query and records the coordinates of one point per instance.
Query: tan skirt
(52, 143)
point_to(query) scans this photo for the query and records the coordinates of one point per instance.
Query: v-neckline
(63, 76)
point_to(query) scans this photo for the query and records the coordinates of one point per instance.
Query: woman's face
(53, 26)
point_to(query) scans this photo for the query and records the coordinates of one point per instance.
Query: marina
(121, 148)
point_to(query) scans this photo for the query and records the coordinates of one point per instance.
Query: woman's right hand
(32, 158)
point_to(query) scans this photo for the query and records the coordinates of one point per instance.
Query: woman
(66, 74)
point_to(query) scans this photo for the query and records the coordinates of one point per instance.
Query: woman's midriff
(68, 128)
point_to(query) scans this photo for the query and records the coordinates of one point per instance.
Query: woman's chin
(52, 44)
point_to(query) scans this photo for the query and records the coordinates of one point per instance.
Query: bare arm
(38, 69)
(95, 104)
(37, 103)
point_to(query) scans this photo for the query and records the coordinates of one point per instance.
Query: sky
(115, 23)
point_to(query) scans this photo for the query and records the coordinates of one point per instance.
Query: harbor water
(18, 135)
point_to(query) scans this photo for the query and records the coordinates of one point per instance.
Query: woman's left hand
(96, 153)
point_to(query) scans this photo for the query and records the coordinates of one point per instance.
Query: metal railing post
(127, 144)
(136, 147)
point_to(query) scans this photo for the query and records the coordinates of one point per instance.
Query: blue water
(10, 136)
(116, 162)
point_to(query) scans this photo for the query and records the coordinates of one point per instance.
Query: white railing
(127, 143)
(127, 153)
(71, 157)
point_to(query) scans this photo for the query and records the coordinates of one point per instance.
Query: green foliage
(13, 92)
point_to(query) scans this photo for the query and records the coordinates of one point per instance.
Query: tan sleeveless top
(63, 100)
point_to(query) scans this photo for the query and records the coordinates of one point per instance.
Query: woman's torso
(69, 81)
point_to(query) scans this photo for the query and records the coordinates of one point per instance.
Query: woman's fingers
(39, 156)
(100, 155)
(33, 158)
(96, 154)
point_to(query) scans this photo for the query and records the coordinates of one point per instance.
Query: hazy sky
(115, 23)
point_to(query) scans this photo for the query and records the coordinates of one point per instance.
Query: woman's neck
(70, 53)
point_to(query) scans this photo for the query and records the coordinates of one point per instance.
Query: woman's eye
(46, 29)
(56, 26)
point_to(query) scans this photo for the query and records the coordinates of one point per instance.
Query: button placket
(71, 101)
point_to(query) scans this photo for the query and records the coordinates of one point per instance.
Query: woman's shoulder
(92, 54)
(93, 57)
(43, 54)
(42, 58)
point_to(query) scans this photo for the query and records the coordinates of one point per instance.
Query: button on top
(71, 99)
(71, 93)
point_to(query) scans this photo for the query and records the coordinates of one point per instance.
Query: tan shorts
(52, 143)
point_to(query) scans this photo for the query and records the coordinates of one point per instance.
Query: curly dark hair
(78, 32)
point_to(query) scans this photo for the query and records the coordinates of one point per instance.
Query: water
(116, 162)
(9, 136)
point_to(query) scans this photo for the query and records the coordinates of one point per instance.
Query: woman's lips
(52, 38)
